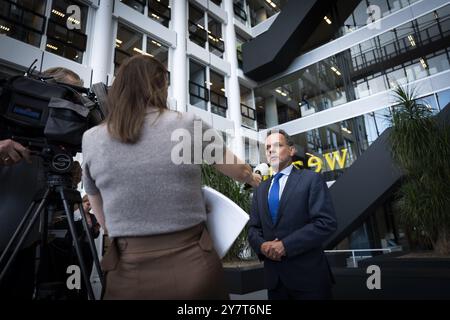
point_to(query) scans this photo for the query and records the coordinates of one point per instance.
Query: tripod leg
(25, 234)
(73, 232)
(88, 231)
(17, 232)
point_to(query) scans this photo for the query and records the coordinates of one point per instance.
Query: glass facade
(368, 11)
(130, 42)
(158, 10)
(26, 21)
(207, 89)
(253, 12)
(344, 17)
(196, 26)
(215, 40)
(333, 148)
(23, 20)
(205, 31)
(198, 90)
(411, 52)
(219, 101)
(248, 112)
(66, 32)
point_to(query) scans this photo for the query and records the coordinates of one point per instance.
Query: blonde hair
(64, 75)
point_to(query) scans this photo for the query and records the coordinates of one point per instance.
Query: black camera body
(43, 110)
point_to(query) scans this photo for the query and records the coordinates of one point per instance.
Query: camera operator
(21, 177)
(12, 152)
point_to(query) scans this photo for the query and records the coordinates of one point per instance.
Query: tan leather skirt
(175, 266)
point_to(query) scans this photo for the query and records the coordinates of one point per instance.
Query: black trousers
(281, 292)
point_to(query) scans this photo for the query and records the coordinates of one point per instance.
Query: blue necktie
(274, 197)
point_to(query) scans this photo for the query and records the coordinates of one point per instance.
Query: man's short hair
(64, 75)
(288, 138)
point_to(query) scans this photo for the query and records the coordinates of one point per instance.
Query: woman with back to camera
(150, 205)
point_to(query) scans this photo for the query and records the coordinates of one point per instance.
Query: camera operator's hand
(12, 152)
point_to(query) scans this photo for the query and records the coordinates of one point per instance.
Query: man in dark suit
(292, 215)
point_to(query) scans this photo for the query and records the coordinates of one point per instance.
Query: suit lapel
(289, 188)
(265, 196)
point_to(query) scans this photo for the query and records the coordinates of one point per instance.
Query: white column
(271, 112)
(234, 97)
(179, 80)
(102, 42)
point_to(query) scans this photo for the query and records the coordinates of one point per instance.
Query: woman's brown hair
(140, 85)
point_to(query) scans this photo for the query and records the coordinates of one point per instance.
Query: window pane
(198, 92)
(128, 43)
(160, 11)
(137, 5)
(68, 43)
(196, 26)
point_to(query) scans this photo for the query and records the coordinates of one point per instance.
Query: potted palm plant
(243, 270)
(421, 147)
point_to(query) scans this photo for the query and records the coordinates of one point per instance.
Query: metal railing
(197, 33)
(160, 10)
(354, 257)
(216, 43)
(240, 12)
(219, 103)
(198, 91)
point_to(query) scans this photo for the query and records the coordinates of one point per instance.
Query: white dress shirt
(286, 172)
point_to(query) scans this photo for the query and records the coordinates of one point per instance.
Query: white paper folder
(225, 220)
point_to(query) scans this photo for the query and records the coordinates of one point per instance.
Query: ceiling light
(52, 47)
(142, 52)
(157, 43)
(73, 20)
(424, 64)
(62, 15)
(327, 20)
(273, 4)
(411, 40)
(346, 130)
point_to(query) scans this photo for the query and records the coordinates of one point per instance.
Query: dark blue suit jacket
(306, 218)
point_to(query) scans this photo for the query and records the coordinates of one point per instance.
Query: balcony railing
(248, 116)
(197, 33)
(219, 103)
(198, 91)
(240, 12)
(239, 56)
(216, 43)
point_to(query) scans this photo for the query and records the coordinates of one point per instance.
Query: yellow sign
(331, 159)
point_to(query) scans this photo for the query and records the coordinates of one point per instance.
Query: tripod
(59, 191)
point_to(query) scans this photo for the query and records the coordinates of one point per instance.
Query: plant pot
(244, 277)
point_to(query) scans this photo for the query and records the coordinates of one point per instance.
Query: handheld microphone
(263, 170)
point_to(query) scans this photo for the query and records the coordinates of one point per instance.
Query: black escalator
(299, 27)
(366, 185)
